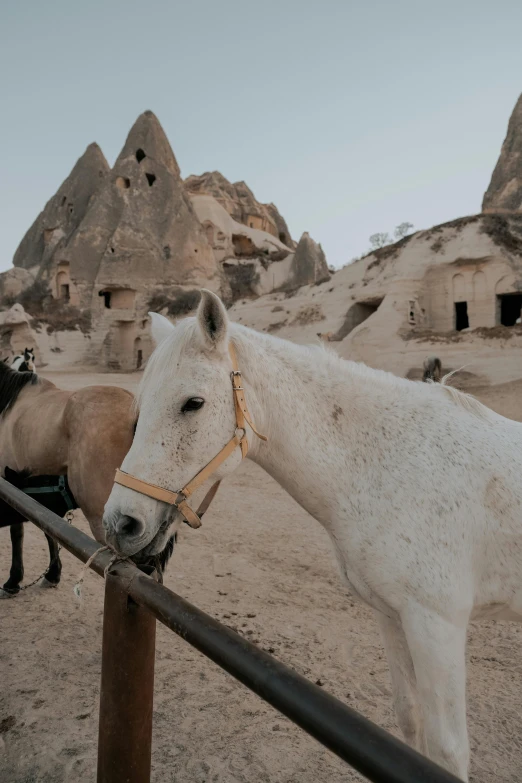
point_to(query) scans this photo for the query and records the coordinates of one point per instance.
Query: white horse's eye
(193, 404)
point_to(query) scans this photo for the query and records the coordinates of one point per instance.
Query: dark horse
(432, 369)
(83, 435)
(54, 493)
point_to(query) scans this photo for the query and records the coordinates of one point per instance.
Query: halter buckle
(236, 374)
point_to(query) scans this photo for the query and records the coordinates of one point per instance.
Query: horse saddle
(42, 485)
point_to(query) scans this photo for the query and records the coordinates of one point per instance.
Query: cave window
(106, 298)
(411, 313)
(140, 155)
(138, 353)
(166, 252)
(64, 292)
(461, 316)
(112, 250)
(71, 209)
(510, 309)
(123, 183)
(282, 238)
(64, 199)
(251, 225)
(151, 179)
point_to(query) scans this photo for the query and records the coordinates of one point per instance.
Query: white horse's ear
(212, 319)
(161, 327)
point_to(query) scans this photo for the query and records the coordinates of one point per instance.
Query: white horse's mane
(465, 400)
(163, 364)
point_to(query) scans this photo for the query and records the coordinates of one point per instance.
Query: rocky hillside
(240, 203)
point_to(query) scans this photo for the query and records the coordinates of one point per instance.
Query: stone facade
(459, 277)
(485, 292)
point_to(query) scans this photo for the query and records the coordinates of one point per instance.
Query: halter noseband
(179, 498)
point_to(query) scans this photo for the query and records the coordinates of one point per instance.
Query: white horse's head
(186, 416)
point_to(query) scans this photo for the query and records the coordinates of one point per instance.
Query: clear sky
(351, 116)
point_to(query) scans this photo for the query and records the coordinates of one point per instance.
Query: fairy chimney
(504, 193)
(64, 212)
(141, 227)
(309, 263)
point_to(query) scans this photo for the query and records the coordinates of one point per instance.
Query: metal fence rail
(125, 728)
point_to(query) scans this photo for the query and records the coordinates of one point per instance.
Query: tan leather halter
(179, 498)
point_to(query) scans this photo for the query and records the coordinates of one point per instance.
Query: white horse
(418, 485)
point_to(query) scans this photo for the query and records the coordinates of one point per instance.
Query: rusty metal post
(127, 688)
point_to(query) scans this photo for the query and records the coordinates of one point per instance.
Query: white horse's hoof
(45, 585)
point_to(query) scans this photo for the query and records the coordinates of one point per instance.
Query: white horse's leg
(404, 687)
(438, 651)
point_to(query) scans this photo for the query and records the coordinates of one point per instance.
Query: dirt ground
(272, 577)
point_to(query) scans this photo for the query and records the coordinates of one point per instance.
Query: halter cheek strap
(179, 498)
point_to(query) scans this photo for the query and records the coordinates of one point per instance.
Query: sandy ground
(271, 576)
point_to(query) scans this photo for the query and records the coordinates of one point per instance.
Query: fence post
(127, 688)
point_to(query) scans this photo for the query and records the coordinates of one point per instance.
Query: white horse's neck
(320, 415)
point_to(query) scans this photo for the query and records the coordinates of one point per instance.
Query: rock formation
(454, 290)
(112, 244)
(16, 334)
(141, 229)
(241, 204)
(13, 282)
(309, 263)
(64, 212)
(504, 193)
(283, 231)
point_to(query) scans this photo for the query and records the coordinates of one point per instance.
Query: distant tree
(402, 230)
(379, 240)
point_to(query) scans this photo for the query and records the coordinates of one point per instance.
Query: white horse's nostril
(128, 527)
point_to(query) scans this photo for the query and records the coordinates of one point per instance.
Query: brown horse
(85, 434)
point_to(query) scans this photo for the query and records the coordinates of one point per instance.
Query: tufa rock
(113, 244)
(13, 282)
(240, 203)
(64, 212)
(309, 263)
(16, 315)
(504, 193)
(141, 227)
(283, 232)
(16, 334)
